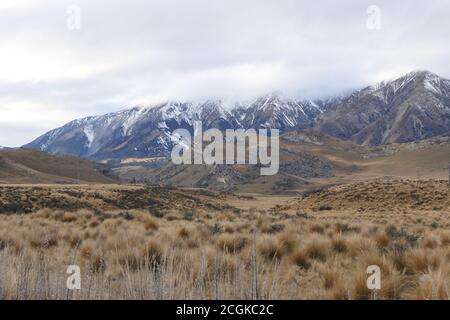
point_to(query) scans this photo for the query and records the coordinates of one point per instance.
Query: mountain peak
(429, 81)
(425, 77)
(412, 107)
(422, 72)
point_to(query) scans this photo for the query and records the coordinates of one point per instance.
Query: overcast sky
(133, 52)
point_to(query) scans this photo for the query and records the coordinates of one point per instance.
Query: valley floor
(137, 242)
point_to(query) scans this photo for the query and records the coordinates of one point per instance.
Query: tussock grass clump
(270, 249)
(153, 252)
(430, 242)
(288, 241)
(301, 259)
(382, 240)
(422, 261)
(359, 290)
(87, 249)
(232, 243)
(338, 292)
(317, 249)
(445, 239)
(151, 224)
(184, 233)
(433, 286)
(97, 263)
(317, 228)
(43, 240)
(339, 244)
(330, 277)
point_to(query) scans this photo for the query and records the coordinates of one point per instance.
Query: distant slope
(378, 196)
(154, 200)
(410, 108)
(308, 160)
(427, 159)
(304, 157)
(413, 107)
(144, 132)
(30, 166)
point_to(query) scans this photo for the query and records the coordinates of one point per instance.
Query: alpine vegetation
(190, 150)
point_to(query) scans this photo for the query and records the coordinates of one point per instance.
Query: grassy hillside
(308, 160)
(30, 166)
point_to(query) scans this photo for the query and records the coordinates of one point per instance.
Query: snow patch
(89, 133)
(432, 86)
(131, 120)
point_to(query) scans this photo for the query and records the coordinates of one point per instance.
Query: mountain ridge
(413, 107)
(146, 131)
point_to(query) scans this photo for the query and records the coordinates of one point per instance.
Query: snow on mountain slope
(413, 107)
(147, 131)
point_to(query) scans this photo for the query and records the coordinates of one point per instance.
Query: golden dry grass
(288, 252)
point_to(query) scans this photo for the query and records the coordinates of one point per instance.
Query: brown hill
(379, 195)
(30, 166)
(158, 201)
(303, 158)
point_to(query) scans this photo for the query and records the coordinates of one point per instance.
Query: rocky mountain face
(413, 107)
(147, 131)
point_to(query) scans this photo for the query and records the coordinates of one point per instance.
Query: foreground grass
(234, 254)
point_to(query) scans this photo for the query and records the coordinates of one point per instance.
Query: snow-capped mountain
(147, 131)
(413, 107)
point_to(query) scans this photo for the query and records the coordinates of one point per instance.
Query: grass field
(160, 243)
